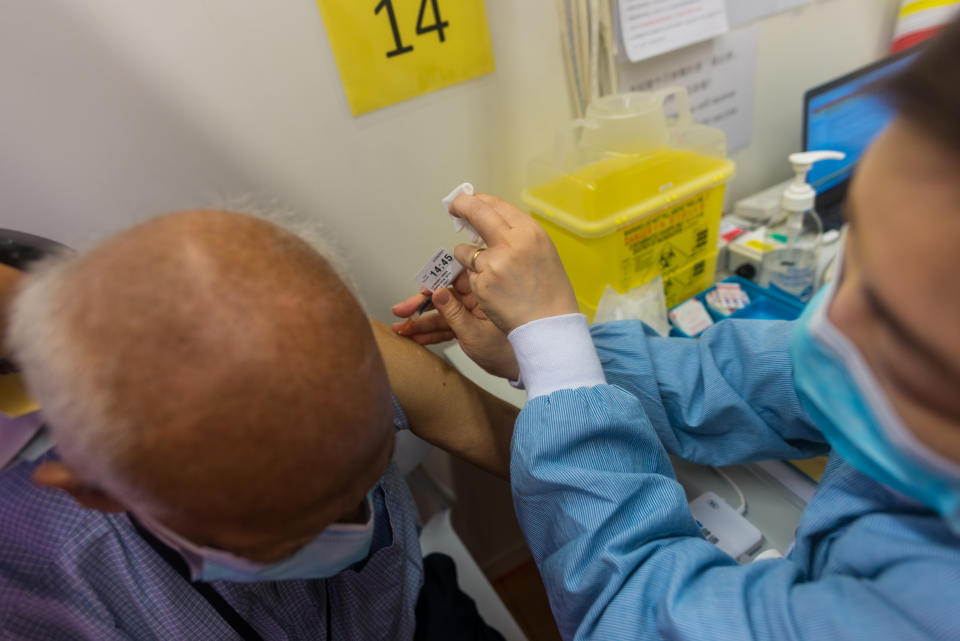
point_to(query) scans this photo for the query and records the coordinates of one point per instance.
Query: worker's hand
(459, 317)
(518, 278)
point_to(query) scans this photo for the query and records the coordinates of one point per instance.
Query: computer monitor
(843, 115)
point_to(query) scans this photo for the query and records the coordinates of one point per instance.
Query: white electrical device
(745, 254)
(763, 205)
(724, 527)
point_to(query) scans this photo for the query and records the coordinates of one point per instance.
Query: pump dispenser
(792, 239)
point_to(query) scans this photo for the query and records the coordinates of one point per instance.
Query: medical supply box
(631, 192)
(765, 303)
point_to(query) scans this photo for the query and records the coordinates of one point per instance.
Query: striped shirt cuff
(556, 353)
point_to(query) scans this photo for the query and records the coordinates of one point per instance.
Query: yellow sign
(391, 50)
(14, 401)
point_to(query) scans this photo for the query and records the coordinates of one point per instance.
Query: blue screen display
(847, 118)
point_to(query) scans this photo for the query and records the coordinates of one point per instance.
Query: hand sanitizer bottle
(792, 238)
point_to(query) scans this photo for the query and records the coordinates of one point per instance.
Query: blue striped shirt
(71, 573)
(619, 551)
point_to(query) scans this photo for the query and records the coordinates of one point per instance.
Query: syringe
(424, 306)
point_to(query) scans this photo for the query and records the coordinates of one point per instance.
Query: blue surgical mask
(333, 550)
(844, 399)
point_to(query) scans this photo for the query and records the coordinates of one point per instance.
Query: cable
(743, 499)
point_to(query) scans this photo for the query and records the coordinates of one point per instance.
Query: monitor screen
(843, 116)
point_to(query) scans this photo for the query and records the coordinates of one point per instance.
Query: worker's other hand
(518, 278)
(458, 316)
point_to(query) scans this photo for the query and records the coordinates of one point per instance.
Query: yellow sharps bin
(630, 194)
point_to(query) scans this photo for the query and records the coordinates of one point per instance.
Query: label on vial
(440, 271)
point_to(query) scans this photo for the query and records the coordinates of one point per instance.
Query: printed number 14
(438, 24)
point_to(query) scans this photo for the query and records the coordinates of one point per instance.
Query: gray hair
(86, 431)
(309, 230)
(49, 360)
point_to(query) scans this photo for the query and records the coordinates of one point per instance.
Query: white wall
(112, 110)
(798, 50)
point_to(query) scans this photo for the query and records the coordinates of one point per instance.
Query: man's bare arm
(445, 408)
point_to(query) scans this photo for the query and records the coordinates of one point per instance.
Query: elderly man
(220, 403)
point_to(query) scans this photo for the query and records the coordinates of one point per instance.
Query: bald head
(210, 370)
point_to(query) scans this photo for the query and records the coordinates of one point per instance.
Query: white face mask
(333, 550)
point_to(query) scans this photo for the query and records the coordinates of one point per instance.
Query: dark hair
(928, 91)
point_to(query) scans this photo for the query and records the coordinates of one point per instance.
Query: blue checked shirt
(619, 551)
(71, 573)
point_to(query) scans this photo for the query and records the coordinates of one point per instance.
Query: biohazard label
(666, 241)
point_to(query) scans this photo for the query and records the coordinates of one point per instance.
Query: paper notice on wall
(719, 75)
(742, 11)
(652, 27)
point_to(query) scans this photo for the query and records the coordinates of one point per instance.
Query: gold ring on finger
(473, 260)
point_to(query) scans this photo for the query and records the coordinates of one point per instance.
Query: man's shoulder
(49, 542)
(57, 557)
(41, 523)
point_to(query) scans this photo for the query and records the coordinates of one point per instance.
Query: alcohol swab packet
(732, 295)
(691, 317)
(459, 224)
(714, 302)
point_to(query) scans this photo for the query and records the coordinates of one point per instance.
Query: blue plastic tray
(764, 303)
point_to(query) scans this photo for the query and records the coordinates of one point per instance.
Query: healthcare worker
(871, 372)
